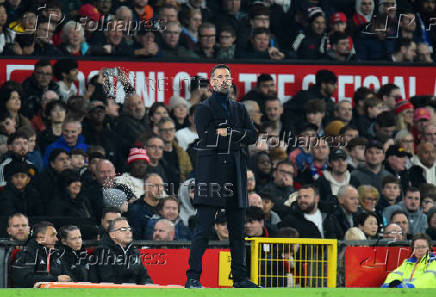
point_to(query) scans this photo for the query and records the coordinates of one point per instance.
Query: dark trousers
(204, 221)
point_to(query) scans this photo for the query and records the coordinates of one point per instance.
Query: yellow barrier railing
(293, 262)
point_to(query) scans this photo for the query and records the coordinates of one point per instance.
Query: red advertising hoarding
(158, 81)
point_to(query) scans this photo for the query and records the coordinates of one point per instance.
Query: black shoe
(245, 284)
(193, 284)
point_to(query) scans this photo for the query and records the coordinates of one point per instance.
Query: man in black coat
(117, 260)
(224, 128)
(39, 261)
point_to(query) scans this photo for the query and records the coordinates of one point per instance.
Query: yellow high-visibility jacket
(423, 276)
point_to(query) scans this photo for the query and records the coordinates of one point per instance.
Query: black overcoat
(213, 152)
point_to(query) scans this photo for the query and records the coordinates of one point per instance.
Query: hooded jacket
(417, 219)
(31, 265)
(186, 208)
(116, 264)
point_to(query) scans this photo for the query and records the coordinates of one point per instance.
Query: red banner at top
(158, 81)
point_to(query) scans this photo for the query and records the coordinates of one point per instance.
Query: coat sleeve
(105, 271)
(204, 123)
(248, 133)
(397, 274)
(24, 274)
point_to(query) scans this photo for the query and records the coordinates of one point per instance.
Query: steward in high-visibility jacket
(418, 271)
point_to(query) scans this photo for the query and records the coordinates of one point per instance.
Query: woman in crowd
(55, 114)
(179, 112)
(157, 112)
(368, 223)
(11, 93)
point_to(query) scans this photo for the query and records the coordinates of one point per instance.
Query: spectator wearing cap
(311, 43)
(36, 85)
(404, 112)
(115, 198)
(66, 71)
(137, 161)
(324, 87)
(421, 119)
(424, 165)
(19, 195)
(265, 88)
(98, 129)
(178, 108)
(396, 160)
(335, 176)
(410, 204)
(169, 209)
(71, 139)
(188, 135)
(372, 173)
(356, 152)
(70, 201)
(89, 17)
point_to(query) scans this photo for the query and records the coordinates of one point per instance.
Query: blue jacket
(60, 143)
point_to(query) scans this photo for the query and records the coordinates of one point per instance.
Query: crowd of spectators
(336, 30)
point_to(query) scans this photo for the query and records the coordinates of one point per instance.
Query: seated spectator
(170, 43)
(78, 159)
(253, 111)
(169, 209)
(271, 217)
(421, 119)
(71, 139)
(18, 229)
(206, 47)
(431, 220)
(191, 20)
(11, 96)
(315, 111)
(424, 165)
(404, 111)
(393, 231)
(7, 127)
(220, 227)
(137, 161)
(74, 255)
(372, 107)
(372, 173)
(368, 198)
(73, 40)
(33, 155)
(66, 72)
(114, 44)
(31, 265)
(354, 233)
(265, 87)
(188, 134)
(400, 218)
(255, 223)
(129, 267)
(411, 206)
(334, 176)
(356, 152)
(108, 214)
(316, 165)
(251, 181)
(423, 53)
(178, 108)
(416, 271)
(226, 43)
(143, 209)
(259, 47)
(71, 200)
(145, 45)
(186, 198)
(367, 222)
(396, 161)
(164, 230)
(404, 51)
(390, 194)
(199, 90)
(345, 213)
(340, 50)
(404, 139)
(158, 111)
(310, 44)
(142, 11)
(155, 148)
(344, 111)
(429, 134)
(363, 15)
(24, 23)
(55, 112)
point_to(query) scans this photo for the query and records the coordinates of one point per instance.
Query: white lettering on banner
(371, 82)
(307, 81)
(81, 78)
(146, 87)
(161, 83)
(342, 81)
(399, 81)
(247, 79)
(284, 79)
(357, 82)
(11, 68)
(181, 77)
(412, 86)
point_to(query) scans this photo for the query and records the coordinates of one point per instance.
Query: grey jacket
(364, 176)
(417, 220)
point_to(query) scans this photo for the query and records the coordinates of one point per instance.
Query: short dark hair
(42, 62)
(423, 236)
(41, 227)
(355, 142)
(165, 120)
(386, 119)
(155, 106)
(112, 223)
(15, 136)
(259, 31)
(337, 36)
(198, 82)
(325, 76)
(65, 230)
(399, 211)
(229, 29)
(315, 106)
(411, 190)
(361, 93)
(254, 213)
(55, 153)
(361, 218)
(272, 98)
(287, 232)
(285, 162)
(52, 104)
(263, 78)
(310, 186)
(219, 66)
(107, 210)
(385, 90)
(78, 151)
(344, 130)
(400, 42)
(167, 198)
(390, 179)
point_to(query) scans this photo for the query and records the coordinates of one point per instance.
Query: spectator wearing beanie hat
(70, 201)
(179, 111)
(404, 110)
(66, 72)
(19, 195)
(137, 161)
(115, 198)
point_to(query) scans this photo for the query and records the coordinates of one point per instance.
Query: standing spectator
(118, 245)
(71, 139)
(187, 135)
(178, 108)
(18, 228)
(40, 261)
(411, 206)
(66, 71)
(74, 254)
(372, 173)
(36, 85)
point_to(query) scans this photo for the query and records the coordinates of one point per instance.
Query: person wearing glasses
(117, 260)
(225, 130)
(418, 271)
